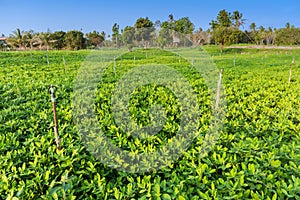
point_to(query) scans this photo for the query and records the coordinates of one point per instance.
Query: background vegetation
(225, 30)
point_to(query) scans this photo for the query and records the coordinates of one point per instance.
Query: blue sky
(89, 15)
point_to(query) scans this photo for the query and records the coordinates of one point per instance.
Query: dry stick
(47, 55)
(54, 117)
(234, 60)
(291, 70)
(134, 59)
(219, 90)
(115, 66)
(64, 60)
(192, 63)
(290, 76)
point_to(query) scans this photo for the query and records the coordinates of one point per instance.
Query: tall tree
(94, 39)
(144, 31)
(103, 34)
(184, 26)
(180, 29)
(74, 40)
(30, 38)
(252, 33)
(128, 37)
(225, 31)
(261, 36)
(223, 19)
(171, 22)
(45, 39)
(201, 37)
(171, 17)
(237, 18)
(165, 37)
(270, 36)
(17, 39)
(57, 39)
(252, 26)
(116, 37)
(143, 23)
(288, 35)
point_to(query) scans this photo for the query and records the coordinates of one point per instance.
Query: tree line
(224, 30)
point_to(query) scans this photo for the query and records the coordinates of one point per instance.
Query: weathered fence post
(52, 92)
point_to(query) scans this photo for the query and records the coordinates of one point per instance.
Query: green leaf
(20, 191)
(274, 196)
(166, 197)
(251, 168)
(212, 186)
(180, 197)
(54, 190)
(275, 163)
(156, 190)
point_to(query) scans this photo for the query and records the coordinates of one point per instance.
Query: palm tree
(270, 36)
(44, 39)
(253, 26)
(16, 39)
(262, 34)
(237, 18)
(29, 38)
(171, 17)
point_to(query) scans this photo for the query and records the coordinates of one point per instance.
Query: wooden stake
(47, 55)
(291, 70)
(134, 59)
(234, 60)
(192, 63)
(64, 60)
(219, 89)
(115, 72)
(52, 92)
(290, 76)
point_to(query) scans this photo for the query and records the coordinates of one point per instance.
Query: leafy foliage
(288, 36)
(74, 40)
(257, 156)
(226, 28)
